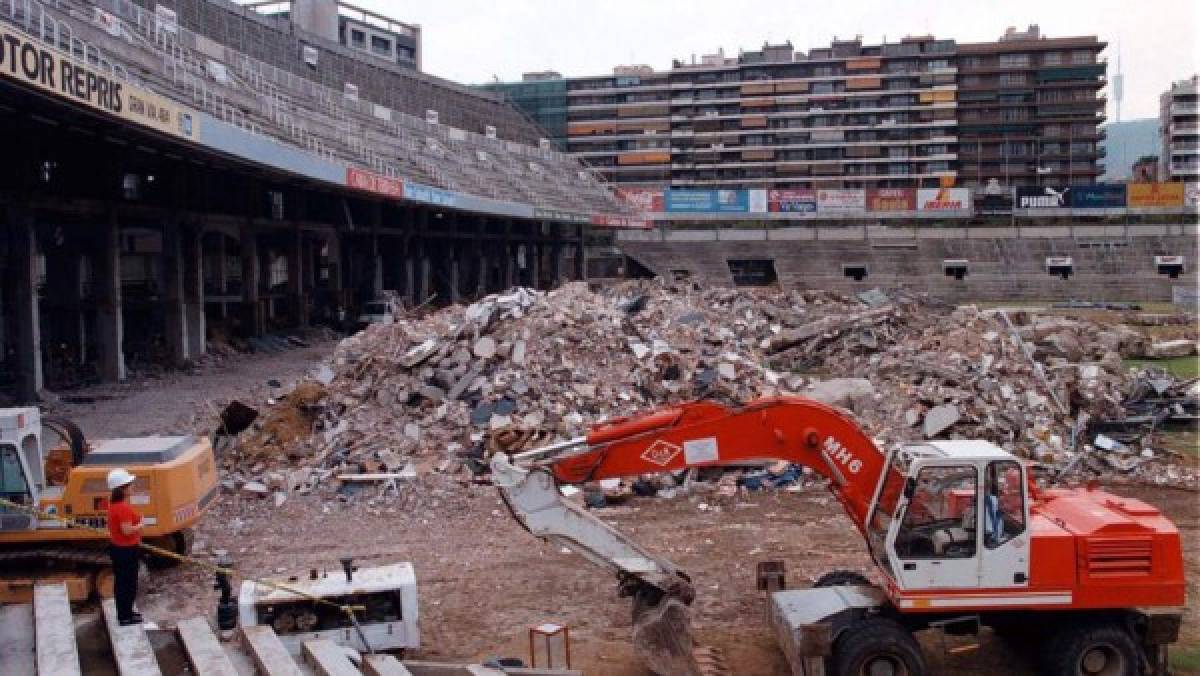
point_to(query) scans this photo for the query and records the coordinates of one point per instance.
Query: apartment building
(1030, 109)
(1179, 131)
(848, 115)
(922, 112)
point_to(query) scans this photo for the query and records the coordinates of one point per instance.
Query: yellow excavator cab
(176, 481)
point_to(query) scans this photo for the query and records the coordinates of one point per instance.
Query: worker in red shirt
(125, 529)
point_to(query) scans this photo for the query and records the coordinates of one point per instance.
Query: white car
(376, 312)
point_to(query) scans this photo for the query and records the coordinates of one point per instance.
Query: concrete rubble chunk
(840, 391)
(939, 419)
(485, 347)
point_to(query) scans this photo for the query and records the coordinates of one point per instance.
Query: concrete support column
(581, 255)
(455, 293)
(26, 326)
(174, 317)
(424, 274)
(253, 320)
(297, 298)
(64, 302)
(556, 253)
(533, 263)
(110, 330)
(410, 277)
(193, 290)
(484, 272)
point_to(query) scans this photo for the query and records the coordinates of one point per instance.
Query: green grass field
(1185, 660)
(1184, 368)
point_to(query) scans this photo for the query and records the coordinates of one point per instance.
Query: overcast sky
(471, 41)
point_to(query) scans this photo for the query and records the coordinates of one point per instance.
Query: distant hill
(1126, 142)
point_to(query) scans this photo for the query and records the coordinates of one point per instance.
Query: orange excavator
(960, 533)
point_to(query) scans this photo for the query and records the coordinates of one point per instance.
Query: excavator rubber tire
(874, 639)
(662, 638)
(1091, 648)
(841, 578)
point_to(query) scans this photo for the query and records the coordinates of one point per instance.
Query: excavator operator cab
(21, 470)
(952, 515)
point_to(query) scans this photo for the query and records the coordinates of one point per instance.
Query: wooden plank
(203, 649)
(383, 665)
(328, 659)
(54, 631)
(17, 654)
(271, 658)
(130, 645)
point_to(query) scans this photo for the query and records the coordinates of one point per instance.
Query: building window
(1014, 60)
(1082, 56)
(381, 45)
(937, 64)
(358, 39)
(1013, 79)
(1052, 59)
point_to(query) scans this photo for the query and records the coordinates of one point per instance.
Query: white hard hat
(119, 477)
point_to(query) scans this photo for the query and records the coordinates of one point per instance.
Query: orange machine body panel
(1088, 549)
(170, 495)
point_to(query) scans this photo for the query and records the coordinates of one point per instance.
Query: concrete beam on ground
(202, 648)
(54, 631)
(130, 645)
(17, 652)
(270, 656)
(383, 665)
(106, 287)
(328, 659)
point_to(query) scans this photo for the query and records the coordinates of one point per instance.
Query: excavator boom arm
(708, 434)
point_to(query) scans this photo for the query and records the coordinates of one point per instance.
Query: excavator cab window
(12, 476)
(1003, 504)
(940, 518)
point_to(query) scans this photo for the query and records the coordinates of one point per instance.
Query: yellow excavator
(62, 487)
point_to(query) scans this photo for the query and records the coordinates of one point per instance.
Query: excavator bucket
(662, 638)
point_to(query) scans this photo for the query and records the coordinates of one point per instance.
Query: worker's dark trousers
(125, 579)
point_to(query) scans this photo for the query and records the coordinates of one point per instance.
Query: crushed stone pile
(525, 368)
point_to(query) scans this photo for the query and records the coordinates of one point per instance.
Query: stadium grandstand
(183, 172)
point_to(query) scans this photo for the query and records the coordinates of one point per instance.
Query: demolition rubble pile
(517, 370)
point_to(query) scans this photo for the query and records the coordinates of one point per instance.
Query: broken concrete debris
(514, 371)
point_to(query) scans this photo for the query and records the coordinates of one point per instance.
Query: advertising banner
(794, 201)
(943, 199)
(361, 179)
(1155, 195)
(756, 201)
(1042, 197)
(643, 199)
(428, 194)
(707, 201)
(891, 199)
(614, 221)
(841, 201)
(26, 61)
(1191, 195)
(1099, 196)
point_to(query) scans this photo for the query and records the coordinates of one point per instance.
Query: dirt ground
(483, 581)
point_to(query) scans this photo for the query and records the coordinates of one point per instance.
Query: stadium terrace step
(54, 631)
(130, 645)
